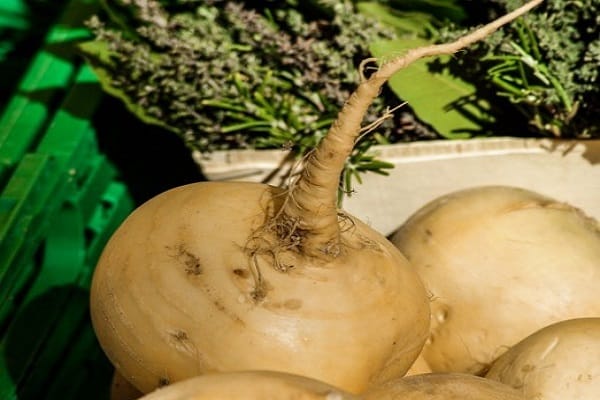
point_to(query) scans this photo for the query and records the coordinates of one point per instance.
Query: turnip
(443, 386)
(227, 276)
(249, 385)
(184, 287)
(560, 361)
(499, 263)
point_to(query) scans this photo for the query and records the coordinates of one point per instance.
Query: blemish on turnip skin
(219, 306)
(222, 308)
(428, 237)
(190, 261)
(179, 335)
(585, 377)
(180, 340)
(162, 382)
(192, 264)
(241, 272)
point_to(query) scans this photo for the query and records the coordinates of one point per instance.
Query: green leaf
(97, 54)
(96, 51)
(413, 22)
(439, 99)
(375, 165)
(247, 125)
(412, 17)
(440, 9)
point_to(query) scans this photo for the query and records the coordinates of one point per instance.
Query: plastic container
(60, 200)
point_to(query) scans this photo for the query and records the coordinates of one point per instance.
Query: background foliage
(230, 74)
(535, 77)
(273, 74)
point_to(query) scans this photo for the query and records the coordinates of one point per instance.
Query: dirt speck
(222, 308)
(219, 305)
(241, 272)
(428, 236)
(179, 335)
(163, 381)
(585, 377)
(190, 261)
(192, 264)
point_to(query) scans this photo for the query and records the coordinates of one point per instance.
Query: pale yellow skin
(443, 386)
(499, 264)
(558, 362)
(250, 385)
(172, 296)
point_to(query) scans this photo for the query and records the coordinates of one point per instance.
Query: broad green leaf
(445, 102)
(97, 54)
(440, 9)
(413, 22)
(412, 16)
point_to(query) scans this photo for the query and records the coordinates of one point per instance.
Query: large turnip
(499, 263)
(194, 282)
(242, 276)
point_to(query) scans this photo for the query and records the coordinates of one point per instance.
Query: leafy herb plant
(545, 66)
(537, 77)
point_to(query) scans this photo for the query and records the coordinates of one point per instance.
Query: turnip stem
(313, 199)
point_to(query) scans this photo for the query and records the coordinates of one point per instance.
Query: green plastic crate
(50, 73)
(23, 26)
(60, 200)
